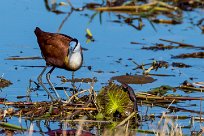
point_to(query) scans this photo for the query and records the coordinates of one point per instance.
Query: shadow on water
(136, 43)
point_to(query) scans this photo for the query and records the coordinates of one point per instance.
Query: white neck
(75, 60)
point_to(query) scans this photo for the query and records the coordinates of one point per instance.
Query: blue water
(112, 41)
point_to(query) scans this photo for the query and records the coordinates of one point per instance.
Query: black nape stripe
(75, 40)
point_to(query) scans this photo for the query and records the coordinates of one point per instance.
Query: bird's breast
(74, 61)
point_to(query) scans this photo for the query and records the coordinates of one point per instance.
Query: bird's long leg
(73, 83)
(50, 83)
(29, 91)
(41, 83)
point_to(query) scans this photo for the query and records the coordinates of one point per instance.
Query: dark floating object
(159, 47)
(159, 64)
(133, 79)
(52, 7)
(189, 5)
(186, 83)
(136, 43)
(21, 97)
(164, 21)
(99, 71)
(189, 87)
(179, 43)
(32, 66)
(84, 80)
(180, 65)
(4, 83)
(190, 55)
(58, 50)
(161, 91)
(23, 58)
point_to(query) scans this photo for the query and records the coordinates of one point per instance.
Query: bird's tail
(37, 31)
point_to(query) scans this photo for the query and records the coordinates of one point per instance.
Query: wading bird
(59, 51)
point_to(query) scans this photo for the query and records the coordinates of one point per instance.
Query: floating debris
(179, 43)
(189, 87)
(163, 21)
(161, 91)
(11, 126)
(159, 47)
(4, 83)
(180, 65)
(23, 58)
(33, 66)
(153, 7)
(200, 25)
(189, 5)
(83, 80)
(155, 65)
(136, 43)
(89, 36)
(99, 71)
(190, 55)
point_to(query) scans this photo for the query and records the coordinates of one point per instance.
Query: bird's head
(74, 46)
(74, 58)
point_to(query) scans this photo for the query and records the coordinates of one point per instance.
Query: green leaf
(88, 32)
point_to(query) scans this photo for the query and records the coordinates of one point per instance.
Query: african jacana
(58, 50)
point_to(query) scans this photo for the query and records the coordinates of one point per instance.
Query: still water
(112, 42)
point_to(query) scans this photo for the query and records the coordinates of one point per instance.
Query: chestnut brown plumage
(58, 50)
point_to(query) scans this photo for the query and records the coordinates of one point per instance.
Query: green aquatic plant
(112, 100)
(117, 101)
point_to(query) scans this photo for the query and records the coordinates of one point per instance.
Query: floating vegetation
(84, 80)
(155, 65)
(114, 101)
(113, 107)
(4, 83)
(190, 55)
(149, 8)
(53, 7)
(164, 21)
(200, 25)
(11, 126)
(165, 47)
(161, 46)
(161, 91)
(189, 87)
(116, 105)
(89, 36)
(180, 65)
(183, 45)
(99, 71)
